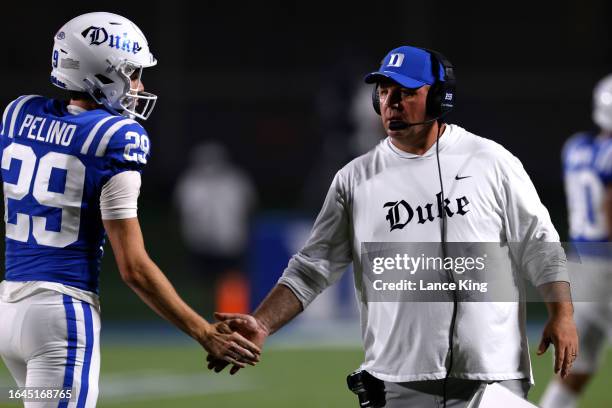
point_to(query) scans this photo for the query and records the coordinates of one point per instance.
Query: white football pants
(51, 340)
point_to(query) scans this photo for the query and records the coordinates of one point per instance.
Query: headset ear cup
(376, 99)
(447, 97)
(434, 100)
(441, 96)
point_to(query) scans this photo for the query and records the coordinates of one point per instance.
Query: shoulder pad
(104, 128)
(11, 113)
(128, 143)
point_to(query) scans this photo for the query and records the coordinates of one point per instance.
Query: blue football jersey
(587, 166)
(54, 165)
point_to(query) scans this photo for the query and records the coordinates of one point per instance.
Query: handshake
(235, 339)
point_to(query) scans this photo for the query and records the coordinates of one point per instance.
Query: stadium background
(274, 82)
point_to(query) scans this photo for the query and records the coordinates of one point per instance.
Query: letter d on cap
(396, 60)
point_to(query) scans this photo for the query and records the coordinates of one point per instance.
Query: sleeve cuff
(301, 282)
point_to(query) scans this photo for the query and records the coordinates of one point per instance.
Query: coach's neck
(416, 139)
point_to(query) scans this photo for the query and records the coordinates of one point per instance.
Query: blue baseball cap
(408, 66)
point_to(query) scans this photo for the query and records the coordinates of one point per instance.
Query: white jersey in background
(490, 199)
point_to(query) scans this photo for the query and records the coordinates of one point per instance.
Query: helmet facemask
(119, 94)
(135, 103)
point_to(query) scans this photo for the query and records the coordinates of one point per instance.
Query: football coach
(466, 189)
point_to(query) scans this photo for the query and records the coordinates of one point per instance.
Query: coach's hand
(249, 327)
(228, 346)
(560, 330)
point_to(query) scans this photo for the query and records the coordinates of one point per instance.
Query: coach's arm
(143, 276)
(319, 264)
(560, 329)
(535, 247)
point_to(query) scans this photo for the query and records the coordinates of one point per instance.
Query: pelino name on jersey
(56, 132)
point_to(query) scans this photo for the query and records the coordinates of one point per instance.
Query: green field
(173, 376)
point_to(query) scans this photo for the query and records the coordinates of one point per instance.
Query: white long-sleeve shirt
(409, 341)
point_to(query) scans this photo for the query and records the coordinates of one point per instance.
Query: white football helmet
(99, 53)
(602, 104)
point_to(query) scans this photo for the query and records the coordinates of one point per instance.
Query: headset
(441, 95)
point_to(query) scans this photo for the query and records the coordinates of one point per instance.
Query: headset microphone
(401, 125)
(397, 125)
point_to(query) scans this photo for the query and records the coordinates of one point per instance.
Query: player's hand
(249, 327)
(227, 345)
(560, 330)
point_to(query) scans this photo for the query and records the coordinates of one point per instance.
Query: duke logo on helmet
(97, 35)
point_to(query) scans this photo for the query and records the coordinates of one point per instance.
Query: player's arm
(144, 277)
(118, 208)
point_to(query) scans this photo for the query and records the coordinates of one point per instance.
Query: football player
(587, 162)
(71, 173)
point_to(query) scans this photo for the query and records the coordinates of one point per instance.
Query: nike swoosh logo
(461, 178)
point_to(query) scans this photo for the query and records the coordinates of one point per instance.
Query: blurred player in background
(71, 172)
(587, 163)
(215, 199)
(366, 123)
